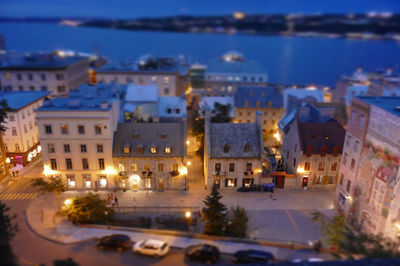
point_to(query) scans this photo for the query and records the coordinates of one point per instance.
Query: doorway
(305, 181)
(161, 184)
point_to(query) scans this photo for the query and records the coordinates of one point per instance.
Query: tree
(237, 222)
(4, 109)
(332, 229)
(53, 185)
(214, 213)
(220, 114)
(7, 232)
(88, 209)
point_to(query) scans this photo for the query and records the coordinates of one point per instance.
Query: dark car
(203, 252)
(252, 256)
(116, 242)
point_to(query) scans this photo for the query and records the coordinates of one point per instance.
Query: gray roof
(149, 134)
(236, 135)
(19, 99)
(258, 97)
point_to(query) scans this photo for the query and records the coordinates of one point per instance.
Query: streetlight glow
(188, 214)
(67, 202)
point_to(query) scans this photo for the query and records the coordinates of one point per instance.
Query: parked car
(116, 242)
(252, 256)
(203, 252)
(308, 260)
(264, 187)
(151, 247)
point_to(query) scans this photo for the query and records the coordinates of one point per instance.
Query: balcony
(248, 173)
(147, 173)
(174, 173)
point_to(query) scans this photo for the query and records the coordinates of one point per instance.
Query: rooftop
(20, 99)
(208, 102)
(148, 135)
(390, 104)
(317, 94)
(236, 136)
(141, 93)
(39, 61)
(258, 97)
(171, 106)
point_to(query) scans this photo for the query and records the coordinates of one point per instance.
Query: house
(268, 101)
(56, 72)
(233, 153)
(21, 139)
(312, 147)
(169, 74)
(151, 156)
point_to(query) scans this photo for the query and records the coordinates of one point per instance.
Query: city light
(189, 163)
(47, 171)
(110, 171)
(277, 136)
(183, 171)
(187, 142)
(8, 160)
(67, 202)
(398, 226)
(188, 214)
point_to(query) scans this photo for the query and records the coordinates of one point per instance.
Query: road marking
(25, 196)
(2, 195)
(17, 196)
(33, 195)
(293, 222)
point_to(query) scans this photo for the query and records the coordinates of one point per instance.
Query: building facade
(44, 72)
(151, 156)
(233, 154)
(21, 139)
(3, 160)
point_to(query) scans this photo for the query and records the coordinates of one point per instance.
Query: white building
(54, 72)
(170, 76)
(21, 139)
(76, 135)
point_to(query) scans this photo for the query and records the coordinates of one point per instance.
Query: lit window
(148, 182)
(167, 149)
(71, 181)
(64, 129)
(258, 104)
(166, 80)
(126, 150)
(230, 182)
(133, 167)
(88, 181)
(103, 181)
(98, 129)
(246, 104)
(153, 149)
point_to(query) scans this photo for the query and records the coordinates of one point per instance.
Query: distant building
(312, 147)
(76, 135)
(197, 76)
(168, 74)
(293, 95)
(55, 72)
(369, 172)
(225, 74)
(233, 153)
(21, 139)
(267, 100)
(151, 156)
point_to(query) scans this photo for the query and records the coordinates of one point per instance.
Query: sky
(155, 8)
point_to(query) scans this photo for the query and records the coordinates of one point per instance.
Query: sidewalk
(39, 217)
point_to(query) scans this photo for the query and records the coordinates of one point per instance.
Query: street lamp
(188, 216)
(67, 202)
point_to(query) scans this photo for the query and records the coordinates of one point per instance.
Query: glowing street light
(187, 142)
(188, 216)
(67, 202)
(189, 163)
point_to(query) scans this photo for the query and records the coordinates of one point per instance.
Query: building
(21, 139)
(231, 70)
(77, 133)
(293, 95)
(233, 153)
(267, 100)
(143, 103)
(197, 76)
(3, 160)
(388, 86)
(168, 74)
(369, 170)
(312, 147)
(208, 103)
(151, 155)
(56, 72)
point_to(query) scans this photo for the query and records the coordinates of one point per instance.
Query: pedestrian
(116, 201)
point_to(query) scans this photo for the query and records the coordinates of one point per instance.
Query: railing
(157, 209)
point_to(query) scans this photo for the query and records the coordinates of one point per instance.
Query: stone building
(233, 153)
(151, 155)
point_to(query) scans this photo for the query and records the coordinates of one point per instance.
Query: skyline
(124, 9)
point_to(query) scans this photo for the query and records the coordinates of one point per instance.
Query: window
(16, 147)
(30, 125)
(48, 129)
(127, 150)
(87, 181)
(43, 77)
(226, 148)
(352, 164)
(83, 148)
(68, 163)
(101, 164)
(294, 162)
(59, 76)
(321, 166)
(11, 117)
(318, 181)
(30, 76)
(232, 167)
(19, 76)
(246, 104)
(166, 80)
(246, 147)
(51, 148)
(97, 129)
(61, 89)
(258, 104)
(71, 181)
(64, 129)
(356, 143)
(25, 129)
(331, 179)
(167, 149)
(21, 88)
(32, 88)
(217, 167)
(334, 166)
(139, 149)
(295, 148)
(160, 167)
(85, 164)
(348, 186)
(53, 164)
(133, 167)
(231, 182)
(175, 167)
(307, 166)
(344, 159)
(81, 129)
(166, 91)
(153, 149)
(362, 119)
(99, 148)
(249, 167)
(67, 148)
(103, 181)
(23, 115)
(352, 117)
(14, 131)
(169, 110)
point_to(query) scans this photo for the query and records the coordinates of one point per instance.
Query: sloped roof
(20, 99)
(267, 97)
(236, 136)
(142, 93)
(149, 134)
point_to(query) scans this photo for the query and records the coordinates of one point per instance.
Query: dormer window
(168, 149)
(258, 104)
(140, 148)
(269, 104)
(246, 147)
(169, 110)
(126, 149)
(246, 103)
(136, 135)
(226, 148)
(177, 110)
(327, 136)
(153, 149)
(163, 136)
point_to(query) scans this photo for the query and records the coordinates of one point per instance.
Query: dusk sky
(133, 8)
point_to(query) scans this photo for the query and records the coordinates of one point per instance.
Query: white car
(151, 247)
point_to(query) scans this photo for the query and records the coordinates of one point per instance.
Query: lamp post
(188, 216)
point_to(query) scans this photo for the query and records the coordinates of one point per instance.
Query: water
(287, 60)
